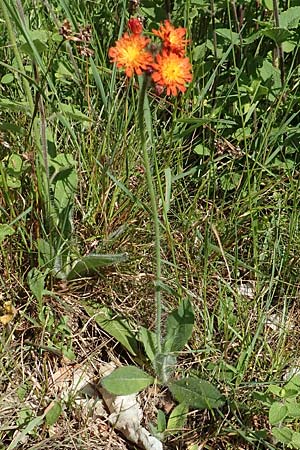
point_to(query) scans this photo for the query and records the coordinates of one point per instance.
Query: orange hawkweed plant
(173, 39)
(169, 69)
(172, 71)
(130, 53)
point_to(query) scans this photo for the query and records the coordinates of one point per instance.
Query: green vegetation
(199, 300)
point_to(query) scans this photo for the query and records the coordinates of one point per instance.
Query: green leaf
(14, 170)
(230, 180)
(290, 18)
(296, 439)
(288, 46)
(177, 418)
(11, 105)
(277, 412)
(202, 150)
(37, 421)
(126, 380)
(73, 113)
(164, 366)
(199, 52)
(63, 73)
(13, 128)
(64, 180)
(283, 434)
(292, 387)
(276, 390)
(179, 327)
(161, 421)
(64, 184)
(114, 325)
(45, 252)
(293, 408)
(229, 35)
(38, 40)
(243, 133)
(268, 4)
(278, 35)
(92, 262)
(5, 230)
(99, 83)
(7, 79)
(253, 37)
(148, 339)
(15, 163)
(54, 413)
(36, 282)
(196, 393)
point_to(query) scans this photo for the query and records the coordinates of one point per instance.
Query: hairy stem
(154, 210)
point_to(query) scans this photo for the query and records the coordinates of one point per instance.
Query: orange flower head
(172, 72)
(135, 25)
(130, 53)
(173, 38)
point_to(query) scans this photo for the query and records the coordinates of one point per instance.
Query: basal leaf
(164, 365)
(177, 418)
(202, 150)
(92, 262)
(64, 180)
(114, 325)
(53, 414)
(161, 421)
(36, 282)
(180, 324)
(196, 393)
(148, 339)
(126, 380)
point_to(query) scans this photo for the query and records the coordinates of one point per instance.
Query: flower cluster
(169, 68)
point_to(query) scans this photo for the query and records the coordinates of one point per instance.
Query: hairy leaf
(177, 418)
(114, 325)
(92, 262)
(180, 324)
(126, 380)
(148, 339)
(196, 393)
(164, 365)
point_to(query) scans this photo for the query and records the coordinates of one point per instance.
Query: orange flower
(130, 53)
(135, 25)
(173, 38)
(172, 71)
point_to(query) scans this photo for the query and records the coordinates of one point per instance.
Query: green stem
(154, 210)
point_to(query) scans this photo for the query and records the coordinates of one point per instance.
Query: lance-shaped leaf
(180, 324)
(91, 263)
(113, 324)
(126, 381)
(196, 393)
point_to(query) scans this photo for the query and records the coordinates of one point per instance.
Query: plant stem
(154, 209)
(279, 46)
